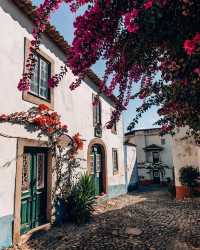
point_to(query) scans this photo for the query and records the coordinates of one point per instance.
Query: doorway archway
(97, 165)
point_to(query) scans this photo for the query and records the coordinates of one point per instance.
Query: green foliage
(188, 177)
(80, 204)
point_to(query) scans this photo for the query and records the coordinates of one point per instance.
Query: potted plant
(188, 178)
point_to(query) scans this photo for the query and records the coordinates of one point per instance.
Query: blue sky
(63, 21)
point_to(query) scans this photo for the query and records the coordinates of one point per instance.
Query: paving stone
(159, 222)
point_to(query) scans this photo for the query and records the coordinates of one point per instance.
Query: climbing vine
(139, 40)
(63, 148)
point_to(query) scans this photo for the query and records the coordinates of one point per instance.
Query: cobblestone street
(144, 221)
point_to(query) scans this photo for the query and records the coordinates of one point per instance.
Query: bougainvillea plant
(139, 40)
(64, 148)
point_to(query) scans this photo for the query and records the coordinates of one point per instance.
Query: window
(115, 160)
(39, 92)
(156, 157)
(96, 112)
(39, 81)
(162, 141)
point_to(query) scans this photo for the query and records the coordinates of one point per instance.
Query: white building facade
(102, 148)
(154, 155)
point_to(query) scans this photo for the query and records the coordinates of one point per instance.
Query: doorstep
(25, 237)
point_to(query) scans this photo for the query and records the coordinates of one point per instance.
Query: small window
(156, 157)
(162, 141)
(96, 112)
(39, 82)
(115, 160)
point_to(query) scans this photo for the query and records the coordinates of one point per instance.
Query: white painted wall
(74, 107)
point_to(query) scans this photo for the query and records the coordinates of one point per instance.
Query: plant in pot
(81, 201)
(188, 178)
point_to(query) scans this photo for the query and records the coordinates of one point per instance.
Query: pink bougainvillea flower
(197, 71)
(4, 117)
(130, 17)
(129, 21)
(196, 38)
(189, 47)
(133, 28)
(148, 4)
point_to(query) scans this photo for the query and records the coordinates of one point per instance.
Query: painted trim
(182, 192)
(116, 190)
(6, 231)
(105, 171)
(26, 96)
(21, 143)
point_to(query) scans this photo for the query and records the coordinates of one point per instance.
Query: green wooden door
(34, 188)
(97, 168)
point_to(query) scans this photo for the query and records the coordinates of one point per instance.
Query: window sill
(28, 97)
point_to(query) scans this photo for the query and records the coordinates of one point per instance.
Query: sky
(63, 19)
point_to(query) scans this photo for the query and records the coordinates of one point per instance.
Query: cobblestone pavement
(160, 224)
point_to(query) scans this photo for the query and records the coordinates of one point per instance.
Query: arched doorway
(97, 165)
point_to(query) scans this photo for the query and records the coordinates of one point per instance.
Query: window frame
(115, 170)
(30, 96)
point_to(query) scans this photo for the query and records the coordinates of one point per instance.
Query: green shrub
(80, 204)
(188, 177)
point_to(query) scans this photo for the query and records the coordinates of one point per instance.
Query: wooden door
(34, 188)
(97, 168)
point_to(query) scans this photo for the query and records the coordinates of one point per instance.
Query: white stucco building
(151, 148)
(103, 148)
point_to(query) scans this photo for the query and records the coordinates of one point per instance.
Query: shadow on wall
(131, 168)
(134, 179)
